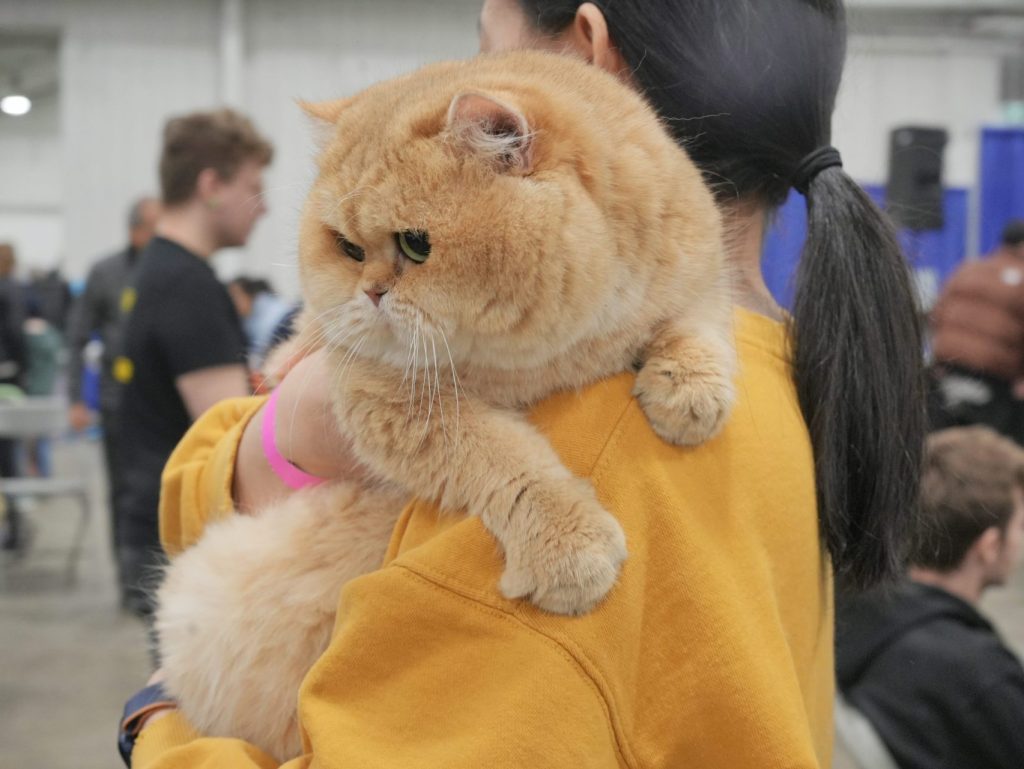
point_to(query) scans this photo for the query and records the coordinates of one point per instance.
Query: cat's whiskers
(262, 194)
(343, 335)
(330, 337)
(344, 366)
(293, 258)
(408, 363)
(418, 340)
(639, 63)
(413, 368)
(317, 339)
(328, 334)
(342, 200)
(455, 383)
(440, 396)
(426, 386)
(425, 390)
(693, 118)
(333, 213)
(295, 405)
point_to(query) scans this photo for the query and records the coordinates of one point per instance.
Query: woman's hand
(306, 434)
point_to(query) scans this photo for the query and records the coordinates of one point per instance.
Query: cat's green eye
(349, 248)
(414, 244)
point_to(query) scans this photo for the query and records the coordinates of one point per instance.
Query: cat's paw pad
(572, 558)
(686, 404)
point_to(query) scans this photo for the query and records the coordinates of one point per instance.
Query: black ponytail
(748, 88)
(857, 363)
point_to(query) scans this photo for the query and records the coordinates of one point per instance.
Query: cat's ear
(492, 129)
(323, 117)
(325, 111)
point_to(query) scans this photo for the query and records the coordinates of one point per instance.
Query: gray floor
(69, 657)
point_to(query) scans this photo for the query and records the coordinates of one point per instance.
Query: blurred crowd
(150, 326)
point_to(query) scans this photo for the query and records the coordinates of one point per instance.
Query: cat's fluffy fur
(569, 238)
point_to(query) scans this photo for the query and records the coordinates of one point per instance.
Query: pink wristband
(292, 476)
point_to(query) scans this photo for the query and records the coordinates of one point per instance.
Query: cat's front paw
(687, 401)
(571, 556)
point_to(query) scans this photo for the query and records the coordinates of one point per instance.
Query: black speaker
(915, 196)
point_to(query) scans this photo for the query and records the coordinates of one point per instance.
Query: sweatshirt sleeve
(461, 686)
(196, 483)
(172, 743)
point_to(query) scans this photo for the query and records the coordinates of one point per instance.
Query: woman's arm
(306, 433)
(219, 466)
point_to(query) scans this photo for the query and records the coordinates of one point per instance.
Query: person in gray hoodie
(919, 660)
(98, 313)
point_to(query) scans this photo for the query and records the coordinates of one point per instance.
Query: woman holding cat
(715, 648)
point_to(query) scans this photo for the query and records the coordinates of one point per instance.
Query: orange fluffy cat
(481, 235)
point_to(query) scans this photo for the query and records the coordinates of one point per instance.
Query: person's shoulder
(102, 265)
(110, 262)
(964, 646)
(603, 414)
(733, 519)
(167, 272)
(163, 255)
(756, 474)
(981, 645)
(973, 659)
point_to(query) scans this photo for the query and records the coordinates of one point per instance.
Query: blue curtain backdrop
(934, 255)
(1002, 182)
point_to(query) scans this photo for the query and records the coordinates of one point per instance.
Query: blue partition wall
(1002, 182)
(934, 255)
(782, 246)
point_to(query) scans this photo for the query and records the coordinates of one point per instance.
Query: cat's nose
(375, 294)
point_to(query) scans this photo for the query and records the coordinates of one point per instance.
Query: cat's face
(471, 221)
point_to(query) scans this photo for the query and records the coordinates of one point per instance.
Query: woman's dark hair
(748, 88)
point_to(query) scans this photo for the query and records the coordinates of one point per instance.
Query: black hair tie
(812, 165)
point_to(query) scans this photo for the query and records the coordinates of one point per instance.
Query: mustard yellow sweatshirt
(713, 652)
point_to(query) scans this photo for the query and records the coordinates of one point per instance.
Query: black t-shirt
(182, 320)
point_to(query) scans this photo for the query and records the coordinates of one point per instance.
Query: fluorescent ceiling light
(15, 104)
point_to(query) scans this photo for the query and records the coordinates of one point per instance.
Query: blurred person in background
(13, 536)
(44, 346)
(98, 313)
(12, 316)
(978, 342)
(262, 312)
(184, 349)
(51, 295)
(919, 661)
